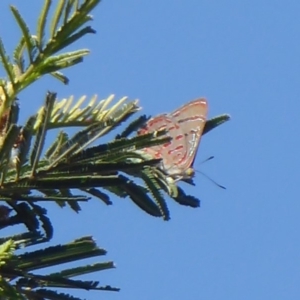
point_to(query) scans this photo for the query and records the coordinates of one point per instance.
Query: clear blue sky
(244, 56)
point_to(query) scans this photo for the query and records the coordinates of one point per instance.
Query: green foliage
(22, 268)
(73, 168)
(33, 57)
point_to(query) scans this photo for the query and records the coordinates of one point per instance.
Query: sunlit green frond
(60, 76)
(43, 121)
(18, 56)
(41, 58)
(57, 17)
(6, 251)
(54, 68)
(29, 41)
(72, 38)
(54, 149)
(66, 58)
(70, 30)
(42, 22)
(66, 115)
(7, 65)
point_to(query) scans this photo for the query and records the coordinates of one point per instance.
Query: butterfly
(185, 125)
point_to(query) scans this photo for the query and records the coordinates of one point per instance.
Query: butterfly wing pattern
(185, 125)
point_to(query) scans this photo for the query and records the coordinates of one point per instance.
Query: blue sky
(243, 56)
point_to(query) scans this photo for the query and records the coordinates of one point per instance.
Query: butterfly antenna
(207, 159)
(213, 181)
